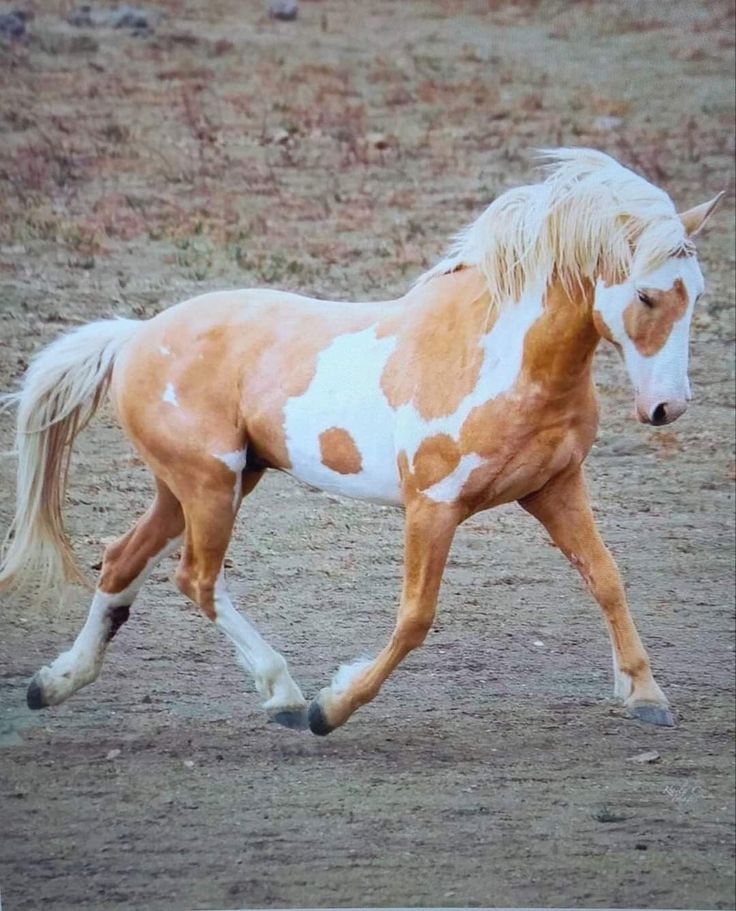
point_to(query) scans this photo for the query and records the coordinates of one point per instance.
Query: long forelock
(590, 216)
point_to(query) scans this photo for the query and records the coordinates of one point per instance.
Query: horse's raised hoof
(34, 696)
(650, 713)
(295, 719)
(318, 724)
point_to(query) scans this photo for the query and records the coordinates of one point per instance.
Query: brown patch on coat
(650, 327)
(339, 452)
(437, 359)
(436, 458)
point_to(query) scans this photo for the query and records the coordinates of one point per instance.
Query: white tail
(60, 393)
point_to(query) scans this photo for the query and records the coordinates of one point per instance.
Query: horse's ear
(695, 219)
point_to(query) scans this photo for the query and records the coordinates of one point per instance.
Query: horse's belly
(340, 432)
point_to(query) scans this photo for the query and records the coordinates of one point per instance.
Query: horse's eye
(645, 299)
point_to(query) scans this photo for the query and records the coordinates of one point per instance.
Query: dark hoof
(317, 722)
(296, 719)
(34, 696)
(652, 714)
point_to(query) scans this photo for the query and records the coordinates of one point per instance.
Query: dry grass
(221, 149)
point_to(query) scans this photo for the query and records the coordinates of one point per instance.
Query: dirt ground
(334, 155)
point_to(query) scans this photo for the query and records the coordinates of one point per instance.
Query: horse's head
(648, 319)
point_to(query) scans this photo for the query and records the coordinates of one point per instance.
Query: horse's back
(295, 378)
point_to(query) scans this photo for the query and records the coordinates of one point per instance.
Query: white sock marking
(622, 685)
(81, 664)
(267, 667)
(346, 673)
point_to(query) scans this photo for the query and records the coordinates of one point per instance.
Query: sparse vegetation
(334, 155)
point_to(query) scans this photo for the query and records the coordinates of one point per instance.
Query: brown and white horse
(472, 390)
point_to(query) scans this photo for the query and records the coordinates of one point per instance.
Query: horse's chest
(504, 450)
(514, 473)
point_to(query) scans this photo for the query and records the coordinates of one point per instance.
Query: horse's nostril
(659, 415)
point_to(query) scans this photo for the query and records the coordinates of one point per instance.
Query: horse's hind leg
(209, 521)
(125, 567)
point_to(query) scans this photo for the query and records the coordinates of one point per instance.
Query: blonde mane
(590, 217)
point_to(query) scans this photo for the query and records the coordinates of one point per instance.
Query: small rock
(280, 137)
(188, 763)
(81, 17)
(538, 643)
(129, 17)
(13, 25)
(285, 10)
(648, 756)
(607, 123)
(606, 814)
(113, 754)
(379, 141)
(146, 700)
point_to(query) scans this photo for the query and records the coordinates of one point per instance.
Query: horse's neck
(547, 338)
(559, 345)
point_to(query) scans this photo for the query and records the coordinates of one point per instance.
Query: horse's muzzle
(660, 413)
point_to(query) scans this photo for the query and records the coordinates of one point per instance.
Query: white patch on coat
(164, 350)
(267, 667)
(235, 461)
(346, 673)
(345, 392)
(82, 663)
(448, 489)
(503, 352)
(169, 395)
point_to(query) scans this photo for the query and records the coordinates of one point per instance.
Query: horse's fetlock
(272, 667)
(637, 669)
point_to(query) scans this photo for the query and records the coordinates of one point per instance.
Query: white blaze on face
(659, 378)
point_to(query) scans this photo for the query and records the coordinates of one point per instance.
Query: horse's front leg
(562, 506)
(427, 538)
